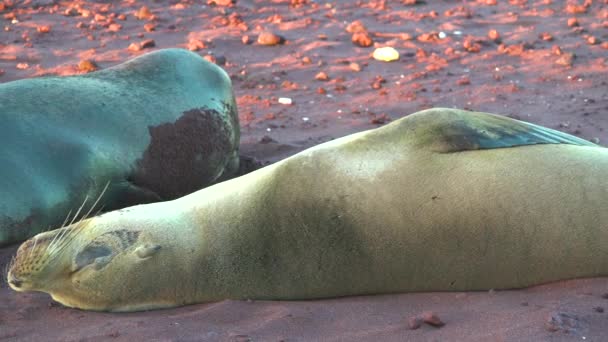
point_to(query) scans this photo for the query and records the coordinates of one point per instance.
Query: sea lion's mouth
(16, 284)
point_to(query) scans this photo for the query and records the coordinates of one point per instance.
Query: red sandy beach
(541, 61)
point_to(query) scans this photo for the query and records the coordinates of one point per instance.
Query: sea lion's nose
(15, 282)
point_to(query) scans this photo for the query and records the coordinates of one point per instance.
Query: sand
(541, 61)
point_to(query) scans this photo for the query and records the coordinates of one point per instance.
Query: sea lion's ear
(447, 130)
(147, 250)
(93, 254)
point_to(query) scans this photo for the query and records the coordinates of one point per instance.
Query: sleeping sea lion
(157, 127)
(441, 200)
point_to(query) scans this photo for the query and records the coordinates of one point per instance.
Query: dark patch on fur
(184, 156)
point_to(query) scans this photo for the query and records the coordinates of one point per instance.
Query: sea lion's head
(42, 262)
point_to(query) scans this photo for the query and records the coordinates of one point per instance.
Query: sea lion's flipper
(448, 130)
(147, 250)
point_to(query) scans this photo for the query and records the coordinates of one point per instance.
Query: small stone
(306, 60)
(576, 9)
(148, 43)
(414, 323)
(565, 59)
(470, 45)
(144, 13)
(362, 39)
(285, 100)
(546, 36)
(556, 50)
(354, 67)
(591, 40)
(562, 321)
(220, 2)
(246, 40)
(494, 35)
(321, 91)
(22, 66)
(149, 27)
(378, 81)
(87, 65)
(44, 29)
(598, 309)
(195, 45)
(432, 319)
(386, 54)
(463, 81)
(356, 26)
(321, 76)
(269, 39)
(266, 140)
(219, 60)
(380, 119)
(134, 47)
(572, 22)
(114, 27)
(70, 12)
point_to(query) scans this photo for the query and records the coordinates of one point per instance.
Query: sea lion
(440, 200)
(156, 127)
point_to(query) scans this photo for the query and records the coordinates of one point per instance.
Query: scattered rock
(565, 59)
(149, 27)
(246, 40)
(321, 76)
(144, 14)
(463, 81)
(566, 322)
(379, 119)
(494, 35)
(356, 26)
(362, 39)
(87, 65)
(598, 309)
(546, 36)
(219, 60)
(471, 45)
(386, 54)
(432, 319)
(114, 27)
(44, 29)
(148, 43)
(221, 2)
(572, 22)
(269, 39)
(285, 100)
(22, 66)
(378, 81)
(576, 9)
(354, 67)
(591, 40)
(414, 323)
(266, 140)
(195, 45)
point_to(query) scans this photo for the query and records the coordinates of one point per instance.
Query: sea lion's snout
(14, 283)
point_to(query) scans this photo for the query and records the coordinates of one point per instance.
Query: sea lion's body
(156, 127)
(441, 200)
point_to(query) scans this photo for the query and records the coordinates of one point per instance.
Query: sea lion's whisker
(66, 219)
(67, 239)
(32, 248)
(53, 246)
